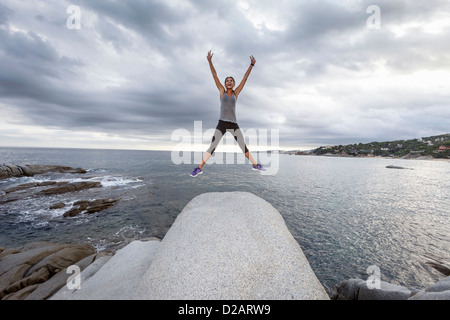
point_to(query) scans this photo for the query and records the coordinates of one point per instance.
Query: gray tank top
(228, 108)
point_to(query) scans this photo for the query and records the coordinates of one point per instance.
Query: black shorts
(221, 129)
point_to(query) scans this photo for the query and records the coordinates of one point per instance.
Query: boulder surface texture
(231, 245)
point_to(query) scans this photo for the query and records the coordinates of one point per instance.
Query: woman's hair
(225, 82)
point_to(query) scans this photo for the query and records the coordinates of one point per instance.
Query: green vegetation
(435, 146)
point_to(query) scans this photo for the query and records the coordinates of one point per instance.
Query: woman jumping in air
(228, 121)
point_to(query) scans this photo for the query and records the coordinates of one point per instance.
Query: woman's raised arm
(214, 73)
(241, 85)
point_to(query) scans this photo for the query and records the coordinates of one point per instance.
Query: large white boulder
(231, 245)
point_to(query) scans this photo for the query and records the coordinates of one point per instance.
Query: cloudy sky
(136, 71)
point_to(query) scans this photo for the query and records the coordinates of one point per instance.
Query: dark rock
(34, 264)
(15, 194)
(357, 289)
(38, 277)
(100, 204)
(81, 203)
(14, 170)
(61, 259)
(30, 185)
(70, 187)
(41, 169)
(7, 171)
(57, 205)
(21, 294)
(75, 211)
(59, 280)
(439, 267)
(347, 290)
(89, 207)
(10, 198)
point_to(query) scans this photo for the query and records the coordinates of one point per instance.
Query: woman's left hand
(252, 59)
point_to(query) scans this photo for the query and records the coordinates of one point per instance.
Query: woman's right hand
(209, 56)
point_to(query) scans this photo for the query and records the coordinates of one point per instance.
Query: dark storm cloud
(37, 79)
(5, 13)
(29, 54)
(151, 19)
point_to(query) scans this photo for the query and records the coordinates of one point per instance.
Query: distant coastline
(425, 148)
(329, 155)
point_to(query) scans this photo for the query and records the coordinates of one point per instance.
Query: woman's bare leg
(207, 155)
(205, 158)
(249, 157)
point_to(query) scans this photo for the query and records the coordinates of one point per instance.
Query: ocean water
(347, 214)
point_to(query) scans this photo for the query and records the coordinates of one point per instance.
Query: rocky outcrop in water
(88, 207)
(47, 188)
(50, 188)
(70, 187)
(29, 170)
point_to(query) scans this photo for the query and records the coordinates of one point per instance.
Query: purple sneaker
(258, 167)
(196, 172)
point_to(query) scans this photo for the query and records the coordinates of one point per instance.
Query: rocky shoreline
(49, 188)
(41, 270)
(212, 251)
(331, 155)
